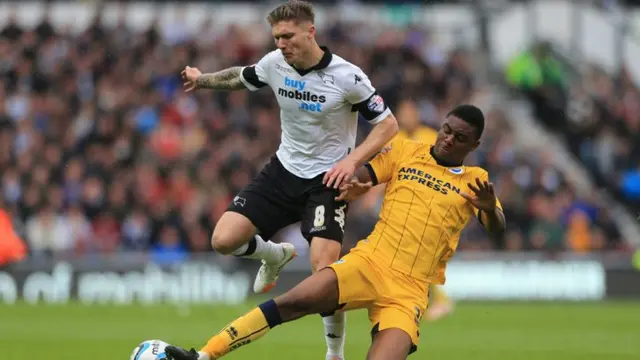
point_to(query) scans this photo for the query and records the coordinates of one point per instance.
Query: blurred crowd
(597, 114)
(607, 138)
(102, 151)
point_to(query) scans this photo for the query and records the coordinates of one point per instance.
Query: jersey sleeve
(256, 76)
(363, 96)
(382, 165)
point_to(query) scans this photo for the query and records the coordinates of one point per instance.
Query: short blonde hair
(294, 10)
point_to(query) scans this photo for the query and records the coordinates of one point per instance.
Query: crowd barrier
(212, 279)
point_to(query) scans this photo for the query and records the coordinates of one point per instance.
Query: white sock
(265, 250)
(334, 333)
(203, 356)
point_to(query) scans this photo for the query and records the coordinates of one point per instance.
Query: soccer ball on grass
(149, 350)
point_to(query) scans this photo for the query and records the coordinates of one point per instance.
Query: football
(149, 350)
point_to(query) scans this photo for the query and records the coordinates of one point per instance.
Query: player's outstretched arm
(365, 100)
(228, 79)
(493, 221)
(377, 171)
(484, 199)
(380, 135)
(361, 182)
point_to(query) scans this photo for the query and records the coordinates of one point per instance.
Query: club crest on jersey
(385, 149)
(376, 104)
(456, 171)
(326, 78)
(239, 201)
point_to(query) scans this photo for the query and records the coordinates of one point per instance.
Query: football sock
(257, 248)
(243, 330)
(334, 333)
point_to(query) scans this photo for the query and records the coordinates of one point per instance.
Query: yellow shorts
(393, 299)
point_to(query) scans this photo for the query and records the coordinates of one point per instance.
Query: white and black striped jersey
(318, 108)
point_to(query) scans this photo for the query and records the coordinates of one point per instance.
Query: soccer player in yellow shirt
(411, 128)
(430, 197)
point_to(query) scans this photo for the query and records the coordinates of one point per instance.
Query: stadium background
(113, 178)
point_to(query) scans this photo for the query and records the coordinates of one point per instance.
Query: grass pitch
(514, 331)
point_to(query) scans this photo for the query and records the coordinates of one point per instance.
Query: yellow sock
(243, 330)
(439, 295)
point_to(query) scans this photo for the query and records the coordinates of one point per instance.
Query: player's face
(293, 40)
(456, 139)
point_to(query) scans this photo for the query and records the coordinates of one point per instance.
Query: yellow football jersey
(423, 212)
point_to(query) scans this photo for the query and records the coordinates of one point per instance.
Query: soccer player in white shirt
(320, 96)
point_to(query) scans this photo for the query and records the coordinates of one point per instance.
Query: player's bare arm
(358, 185)
(494, 221)
(228, 79)
(485, 200)
(381, 134)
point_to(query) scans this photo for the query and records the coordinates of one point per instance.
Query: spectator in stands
(12, 248)
(631, 184)
(600, 126)
(169, 248)
(410, 125)
(539, 75)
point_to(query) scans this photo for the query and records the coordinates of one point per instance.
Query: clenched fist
(190, 75)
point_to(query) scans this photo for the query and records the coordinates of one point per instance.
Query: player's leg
(235, 234)
(280, 193)
(441, 304)
(322, 253)
(258, 208)
(395, 315)
(395, 330)
(318, 293)
(323, 226)
(390, 344)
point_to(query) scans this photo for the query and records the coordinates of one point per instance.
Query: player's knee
(223, 242)
(232, 231)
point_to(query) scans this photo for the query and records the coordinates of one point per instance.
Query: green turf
(476, 330)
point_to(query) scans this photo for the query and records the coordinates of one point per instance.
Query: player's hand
(340, 174)
(189, 76)
(483, 196)
(353, 190)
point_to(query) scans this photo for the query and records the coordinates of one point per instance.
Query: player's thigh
(260, 204)
(404, 317)
(357, 282)
(314, 295)
(323, 225)
(390, 344)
